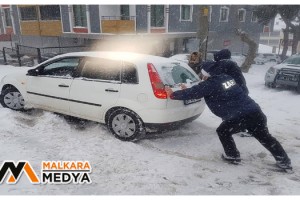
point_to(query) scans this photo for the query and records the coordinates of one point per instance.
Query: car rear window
(174, 73)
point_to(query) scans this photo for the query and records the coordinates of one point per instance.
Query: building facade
(155, 29)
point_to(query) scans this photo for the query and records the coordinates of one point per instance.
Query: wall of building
(110, 10)
(175, 25)
(141, 18)
(64, 13)
(94, 18)
(15, 13)
(222, 34)
(1, 23)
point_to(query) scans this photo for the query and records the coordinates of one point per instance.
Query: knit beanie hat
(222, 54)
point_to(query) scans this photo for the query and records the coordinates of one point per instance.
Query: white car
(286, 73)
(269, 57)
(240, 59)
(123, 90)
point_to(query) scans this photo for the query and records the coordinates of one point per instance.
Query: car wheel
(298, 87)
(126, 125)
(12, 98)
(270, 85)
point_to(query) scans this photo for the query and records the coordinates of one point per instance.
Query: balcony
(41, 28)
(118, 24)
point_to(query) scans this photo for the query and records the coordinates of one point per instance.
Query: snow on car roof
(117, 55)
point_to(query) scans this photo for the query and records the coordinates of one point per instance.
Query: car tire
(11, 98)
(126, 125)
(298, 87)
(270, 85)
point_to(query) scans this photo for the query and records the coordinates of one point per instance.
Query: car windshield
(173, 74)
(292, 60)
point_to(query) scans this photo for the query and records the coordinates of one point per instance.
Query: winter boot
(284, 164)
(231, 160)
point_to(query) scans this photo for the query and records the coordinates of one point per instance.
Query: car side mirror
(33, 72)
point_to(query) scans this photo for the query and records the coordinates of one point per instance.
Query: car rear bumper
(170, 115)
(170, 125)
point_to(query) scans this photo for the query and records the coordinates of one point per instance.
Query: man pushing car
(227, 100)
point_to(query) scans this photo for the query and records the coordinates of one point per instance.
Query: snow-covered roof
(119, 55)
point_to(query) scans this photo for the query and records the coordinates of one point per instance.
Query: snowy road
(186, 161)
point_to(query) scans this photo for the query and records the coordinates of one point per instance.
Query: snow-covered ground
(186, 161)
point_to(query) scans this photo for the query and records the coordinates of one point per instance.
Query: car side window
(129, 74)
(63, 67)
(102, 69)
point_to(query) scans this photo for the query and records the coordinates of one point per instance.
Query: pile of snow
(181, 162)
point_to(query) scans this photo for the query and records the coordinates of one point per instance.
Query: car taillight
(157, 85)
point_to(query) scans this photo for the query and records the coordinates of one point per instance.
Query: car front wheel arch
(125, 124)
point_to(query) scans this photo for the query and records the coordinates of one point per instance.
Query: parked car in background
(210, 54)
(259, 60)
(238, 58)
(269, 57)
(123, 90)
(181, 57)
(286, 73)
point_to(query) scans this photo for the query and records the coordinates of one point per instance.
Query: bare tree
(252, 45)
(251, 50)
(203, 29)
(289, 14)
(285, 43)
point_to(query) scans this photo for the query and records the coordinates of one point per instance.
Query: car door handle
(111, 90)
(62, 85)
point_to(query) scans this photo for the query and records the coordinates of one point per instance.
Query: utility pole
(203, 30)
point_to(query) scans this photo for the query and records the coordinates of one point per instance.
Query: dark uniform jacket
(232, 69)
(196, 67)
(224, 97)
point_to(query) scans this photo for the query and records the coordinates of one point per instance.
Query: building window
(242, 15)
(8, 21)
(124, 9)
(28, 13)
(186, 13)
(50, 12)
(224, 12)
(254, 17)
(158, 16)
(80, 15)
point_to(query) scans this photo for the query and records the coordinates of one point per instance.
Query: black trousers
(256, 124)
